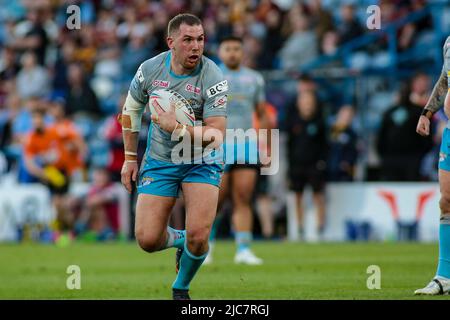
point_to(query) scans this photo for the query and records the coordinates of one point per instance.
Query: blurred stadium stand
(367, 71)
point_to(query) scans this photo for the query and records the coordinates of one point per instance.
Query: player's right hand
(129, 174)
(423, 126)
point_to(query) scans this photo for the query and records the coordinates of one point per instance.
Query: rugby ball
(164, 98)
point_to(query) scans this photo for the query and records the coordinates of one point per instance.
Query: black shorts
(262, 184)
(231, 167)
(300, 177)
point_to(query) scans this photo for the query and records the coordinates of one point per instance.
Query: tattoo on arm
(437, 96)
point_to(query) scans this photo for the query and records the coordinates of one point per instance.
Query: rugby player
(245, 96)
(185, 70)
(441, 282)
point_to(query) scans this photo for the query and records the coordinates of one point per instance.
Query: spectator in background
(60, 69)
(81, 99)
(100, 208)
(42, 150)
(401, 150)
(307, 155)
(329, 46)
(349, 28)
(322, 20)
(411, 31)
(343, 147)
(32, 79)
(8, 147)
(9, 66)
(301, 46)
(306, 84)
(86, 48)
(22, 125)
(273, 39)
(137, 50)
(23, 110)
(130, 24)
(330, 43)
(112, 131)
(73, 150)
(34, 37)
(224, 27)
(420, 89)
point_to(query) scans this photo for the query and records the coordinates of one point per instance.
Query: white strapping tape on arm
(134, 110)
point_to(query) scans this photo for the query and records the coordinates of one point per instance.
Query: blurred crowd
(70, 83)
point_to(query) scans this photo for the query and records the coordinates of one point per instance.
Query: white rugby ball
(164, 98)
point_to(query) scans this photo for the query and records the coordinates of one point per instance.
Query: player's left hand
(166, 120)
(423, 126)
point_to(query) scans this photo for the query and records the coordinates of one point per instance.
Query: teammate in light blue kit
(441, 282)
(186, 71)
(245, 97)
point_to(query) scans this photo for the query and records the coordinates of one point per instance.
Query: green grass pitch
(291, 271)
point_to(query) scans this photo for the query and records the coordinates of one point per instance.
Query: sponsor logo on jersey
(218, 88)
(220, 102)
(191, 88)
(160, 83)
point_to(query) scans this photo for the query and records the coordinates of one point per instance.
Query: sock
(189, 264)
(443, 269)
(175, 238)
(243, 239)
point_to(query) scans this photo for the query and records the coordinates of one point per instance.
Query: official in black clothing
(401, 150)
(307, 154)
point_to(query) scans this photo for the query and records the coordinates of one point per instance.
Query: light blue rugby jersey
(205, 89)
(245, 91)
(446, 67)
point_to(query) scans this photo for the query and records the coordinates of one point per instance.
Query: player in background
(441, 282)
(245, 96)
(185, 70)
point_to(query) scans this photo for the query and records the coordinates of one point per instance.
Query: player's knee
(148, 242)
(444, 204)
(242, 197)
(197, 240)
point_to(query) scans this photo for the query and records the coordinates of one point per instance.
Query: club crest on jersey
(160, 83)
(146, 181)
(217, 89)
(191, 88)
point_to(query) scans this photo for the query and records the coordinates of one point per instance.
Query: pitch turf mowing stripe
(290, 271)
